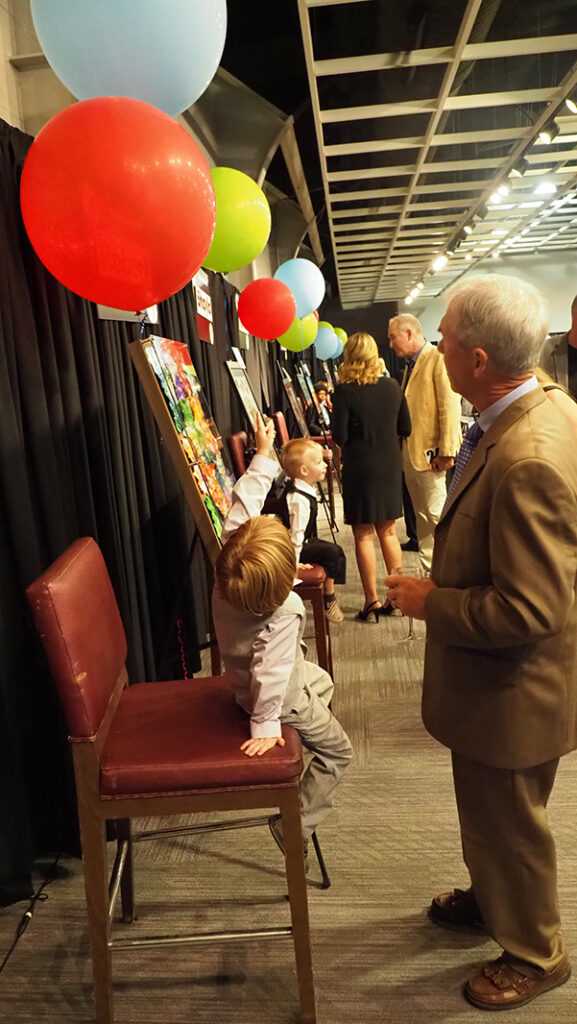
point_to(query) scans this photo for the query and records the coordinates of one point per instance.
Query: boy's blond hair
(293, 453)
(256, 568)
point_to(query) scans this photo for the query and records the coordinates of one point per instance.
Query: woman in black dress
(369, 415)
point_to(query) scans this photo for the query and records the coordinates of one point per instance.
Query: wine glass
(417, 573)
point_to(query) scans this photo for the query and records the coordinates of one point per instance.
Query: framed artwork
(245, 392)
(294, 400)
(330, 376)
(174, 392)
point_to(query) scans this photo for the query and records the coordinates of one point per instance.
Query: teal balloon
(243, 221)
(326, 342)
(305, 282)
(164, 52)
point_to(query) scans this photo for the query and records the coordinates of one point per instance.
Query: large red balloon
(267, 308)
(118, 202)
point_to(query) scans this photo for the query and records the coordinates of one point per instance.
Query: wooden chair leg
(127, 881)
(322, 631)
(93, 838)
(297, 891)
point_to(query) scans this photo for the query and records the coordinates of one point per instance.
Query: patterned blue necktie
(470, 442)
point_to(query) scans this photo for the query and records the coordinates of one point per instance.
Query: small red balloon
(316, 314)
(118, 202)
(266, 308)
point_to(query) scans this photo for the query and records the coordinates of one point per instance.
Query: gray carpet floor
(391, 844)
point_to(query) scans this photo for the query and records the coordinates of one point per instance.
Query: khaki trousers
(428, 492)
(509, 851)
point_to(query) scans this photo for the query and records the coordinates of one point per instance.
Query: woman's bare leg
(366, 560)
(392, 554)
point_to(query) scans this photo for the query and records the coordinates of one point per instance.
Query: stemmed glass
(417, 573)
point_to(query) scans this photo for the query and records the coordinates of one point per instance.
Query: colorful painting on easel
(182, 390)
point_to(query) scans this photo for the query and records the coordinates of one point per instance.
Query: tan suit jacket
(435, 409)
(500, 682)
(554, 359)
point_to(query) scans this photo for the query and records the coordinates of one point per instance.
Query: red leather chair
(151, 749)
(237, 444)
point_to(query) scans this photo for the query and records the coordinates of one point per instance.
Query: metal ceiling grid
(399, 197)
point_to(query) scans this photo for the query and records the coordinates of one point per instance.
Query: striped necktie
(470, 442)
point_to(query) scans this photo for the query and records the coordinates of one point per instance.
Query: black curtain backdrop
(80, 455)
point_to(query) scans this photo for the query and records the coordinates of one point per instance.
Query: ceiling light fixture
(503, 190)
(495, 198)
(519, 169)
(439, 263)
(545, 188)
(547, 134)
(408, 300)
(468, 229)
(420, 286)
(571, 105)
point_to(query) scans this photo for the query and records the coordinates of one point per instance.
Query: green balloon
(300, 334)
(325, 323)
(342, 334)
(243, 221)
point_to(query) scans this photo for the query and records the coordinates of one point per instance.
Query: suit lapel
(494, 434)
(419, 365)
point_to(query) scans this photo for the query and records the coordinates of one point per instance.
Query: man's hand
(305, 565)
(260, 744)
(264, 436)
(441, 463)
(408, 594)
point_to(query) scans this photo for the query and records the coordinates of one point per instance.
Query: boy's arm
(272, 662)
(251, 489)
(299, 512)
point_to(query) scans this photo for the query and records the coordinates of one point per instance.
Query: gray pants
(326, 739)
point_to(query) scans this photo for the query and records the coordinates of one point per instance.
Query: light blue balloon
(305, 282)
(164, 52)
(325, 343)
(339, 350)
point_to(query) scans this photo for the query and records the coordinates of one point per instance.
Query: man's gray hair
(505, 316)
(407, 322)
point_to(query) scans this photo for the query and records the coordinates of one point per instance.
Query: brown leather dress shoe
(457, 910)
(498, 986)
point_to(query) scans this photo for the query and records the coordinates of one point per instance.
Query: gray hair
(505, 316)
(406, 321)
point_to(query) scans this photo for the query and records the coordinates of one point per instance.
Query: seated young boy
(259, 624)
(304, 465)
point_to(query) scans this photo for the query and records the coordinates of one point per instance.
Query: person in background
(303, 462)
(558, 356)
(259, 622)
(319, 420)
(435, 436)
(369, 415)
(500, 682)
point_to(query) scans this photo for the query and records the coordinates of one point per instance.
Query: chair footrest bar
(216, 826)
(176, 940)
(116, 876)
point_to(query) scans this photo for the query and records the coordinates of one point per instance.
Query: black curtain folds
(80, 455)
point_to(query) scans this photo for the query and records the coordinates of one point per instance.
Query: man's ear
(480, 361)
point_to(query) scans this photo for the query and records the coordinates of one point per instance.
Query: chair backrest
(77, 616)
(237, 447)
(280, 427)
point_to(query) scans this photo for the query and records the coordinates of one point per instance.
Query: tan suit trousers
(428, 491)
(509, 851)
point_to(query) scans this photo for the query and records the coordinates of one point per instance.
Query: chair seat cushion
(184, 736)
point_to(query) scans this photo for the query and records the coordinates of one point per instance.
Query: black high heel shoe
(372, 609)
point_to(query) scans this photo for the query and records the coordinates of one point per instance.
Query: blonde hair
(293, 453)
(361, 360)
(256, 568)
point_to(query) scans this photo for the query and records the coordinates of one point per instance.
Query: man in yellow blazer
(435, 435)
(500, 682)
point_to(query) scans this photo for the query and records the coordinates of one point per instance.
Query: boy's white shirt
(259, 686)
(299, 510)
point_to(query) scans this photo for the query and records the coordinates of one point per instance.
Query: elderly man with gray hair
(500, 681)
